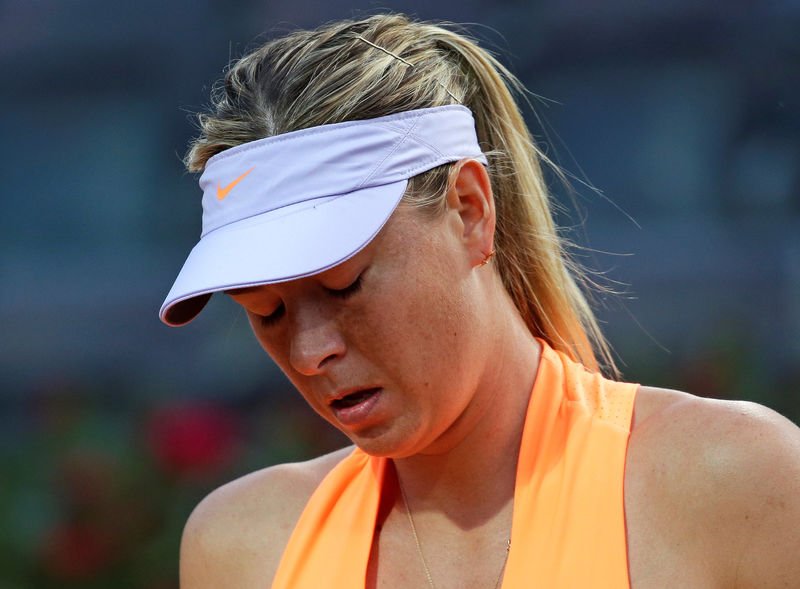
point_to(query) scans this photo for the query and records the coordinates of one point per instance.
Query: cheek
(272, 342)
(414, 331)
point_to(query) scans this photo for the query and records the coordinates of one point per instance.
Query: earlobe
(487, 257)
(470, 195)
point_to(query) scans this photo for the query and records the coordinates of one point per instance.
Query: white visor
(294, 205)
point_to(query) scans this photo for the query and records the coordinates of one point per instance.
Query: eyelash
(272, 318)
(341, 293)
(347, 291)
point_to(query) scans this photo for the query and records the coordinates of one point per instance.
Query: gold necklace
(422, 556)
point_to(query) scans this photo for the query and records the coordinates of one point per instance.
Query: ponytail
(387, 64)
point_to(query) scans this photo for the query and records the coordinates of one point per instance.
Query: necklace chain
(422, 556)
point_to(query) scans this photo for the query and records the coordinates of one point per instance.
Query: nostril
(311, 355)
(328, 359)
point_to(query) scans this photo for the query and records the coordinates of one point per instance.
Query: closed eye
(272, 318)
(347, 291)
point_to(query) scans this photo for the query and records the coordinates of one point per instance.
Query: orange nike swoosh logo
(223, 192)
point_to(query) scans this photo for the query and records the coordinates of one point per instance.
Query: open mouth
(353, 399)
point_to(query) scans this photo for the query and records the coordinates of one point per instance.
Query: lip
(359, 413)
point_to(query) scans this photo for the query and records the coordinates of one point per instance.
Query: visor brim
(285, 244)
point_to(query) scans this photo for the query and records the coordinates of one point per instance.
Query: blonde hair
(387, 64)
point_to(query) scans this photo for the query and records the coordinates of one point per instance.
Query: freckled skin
(710, 487)
(403, 331)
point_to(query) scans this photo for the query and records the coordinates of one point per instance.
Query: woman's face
(386, 346)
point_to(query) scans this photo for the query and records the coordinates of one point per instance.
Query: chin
(383, 444)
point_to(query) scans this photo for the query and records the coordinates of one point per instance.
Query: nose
(316, 341)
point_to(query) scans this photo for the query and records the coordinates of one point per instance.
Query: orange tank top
(568, 525)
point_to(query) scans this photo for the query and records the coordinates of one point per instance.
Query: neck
(462, 477)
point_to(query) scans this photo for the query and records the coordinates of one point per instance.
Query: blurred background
(684, 114)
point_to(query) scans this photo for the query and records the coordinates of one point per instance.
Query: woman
(373, 200)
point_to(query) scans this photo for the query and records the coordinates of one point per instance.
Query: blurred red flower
(193, 439)
(77, 551)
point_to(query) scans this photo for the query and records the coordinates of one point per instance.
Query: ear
(470, 196)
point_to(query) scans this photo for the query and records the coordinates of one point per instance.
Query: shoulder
(722, 477)
(235, 537)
